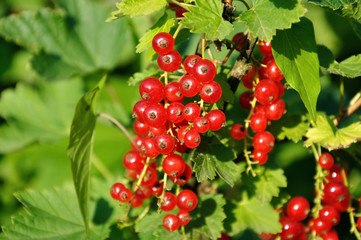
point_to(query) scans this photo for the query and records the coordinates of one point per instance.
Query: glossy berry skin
(189, 86)
(320, 227)
(171, 222)
(143, 192)
(150, 177)
(164, 143)
(326, 161)
(334, 191)
(330, 235)
(151, 89)
(183, 218)
(190, 61)
(173, 93)
(192, 139)
(138, 110)
(263, 141)
(272, 71)
(259, 156)
(140, 128)
(148, 148)
(330, 214)
(153, 132)
(182, 132)
(132, 160)
(358, 224)
(155, 115)
(258, 122)
(245, 100)
(184, 177)
(125, 195)
(191, 111)
(281, 88)
(247, 80)
(170, 61)
(265, 48)
(115, 190)
(163, 43)
(216, 119)
(210, 92)
(157, 189)
(266, 92)
(259, 109)
(204, 71)
(236, 38)
(298, 208)
(187, 200)
(335, 173)
(173, 165)
(275, 110)
(169, 202)
(290, 229)
(175, 112)
(201, 124)
(238, 131)
(136, 202)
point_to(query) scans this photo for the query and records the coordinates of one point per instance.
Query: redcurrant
(191, 111)
(192, 139)
(238, 131)
(266, 92)
(170, 61)
(326, 161)
(151, 89)
(210, 92)
(263, 141)
(173, 165)
(216, 119)
(163, 43)
(298, 208)
(204, 71)
(187, 200)
(190, 61)
(170, 222)
(173, 93)
(189, 86)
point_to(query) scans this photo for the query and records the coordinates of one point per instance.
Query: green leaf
(163, 25)
(80, 147)
(295, 52)
(63, 39)
(135, 8)
(266, 16)
(356, 26)
(42, 114)
(331, 3)
(292, 127)
(326, 134)
(251, 213)
(50, 215)
(206, 17)
(227, 94)
(269, 183)
(207, 218)
(349, 67)
(212, 159)
(140, 76)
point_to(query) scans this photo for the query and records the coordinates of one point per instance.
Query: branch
(351, 109)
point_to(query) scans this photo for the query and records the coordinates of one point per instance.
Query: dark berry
(245, 100)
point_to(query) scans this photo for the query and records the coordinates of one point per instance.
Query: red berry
(115, 190)
(163, 43)
(136, 202)
(216, 119)
(181, 148)
(170, 61)
(179, 13)
(335, 173)
(260, 157)
(172, 5)
(281, 88)
(334, 191)
(330, 214)
(151, 89)
(183, 218)
(201, 124)
(320, 227)
(150, 177)
(192, 139)
(153, 132)
(290, 229)
(190, 61)
(140, 128)
(191, 111)
(358, 223)
(224, 236)
(169, 202)
(189, 86)
(342, 205)
(148, 148)
(238, 131)
(259, 109)
(184, 177)
(170, 222)
(173, 165)
(326, 161)
(187, 200)
(247, 79)
(245, 100)
(266, 92)
(138, 110)
(263, 141)
(272, 71)
(125, 195)
(210, 92)
(164, 143)
(143, 192)
(173, 93)
(330, 235)
(182, 132)
(204, 71)
(258, 122)
(157, 189)
(175, 112)
(265, 48)
(298, 208)
(267, 236)
(155, 115)
(275, 110)
(236, 38)
(132, 160)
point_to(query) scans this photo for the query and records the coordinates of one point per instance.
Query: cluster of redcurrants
(267, 91)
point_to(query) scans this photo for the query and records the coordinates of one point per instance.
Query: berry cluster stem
(319, 176)
(177, 31)
(146, 164)
(161, 201)
(353, 229)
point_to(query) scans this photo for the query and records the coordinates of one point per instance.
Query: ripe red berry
(136, 202)
(335, 173)
(238, 131)
(115, 190)
(330, 235)
(330, 214)
(132, 160)
(259, 109)
(290, 229)
(236, 38)
(201, 124)
(326, 161)
(247, 80)
(259, 156)
(155, 115)
(216, 119)
(320, 227)
(204, 71)
(150, 177)
(266, 92)
(258, 122)
(138, 110)
(140, 128)
(265, 48)
(163, 42)
(171, 222)
(164, 143)
(210, 92)
(148, 148)
(173, 92)
(125, 195)
(173, 165)
(263, 141)
(192, 139)
(245, 100)
(183, 218)
(187, 200)
(153, 132)
(157, 188)
(169, 202)
(175, 112)
(272, 71)
(298, 208)
(191, 111)
(189, 86)
(151, 89)
(334, 191)
(179, 12)
(143, 192)
(281, 88)
(182, 132)
(358, 223)
(184, 177)
(275, 110)
(170, 61)
(190, 61)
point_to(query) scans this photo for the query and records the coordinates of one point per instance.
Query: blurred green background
(37, 102)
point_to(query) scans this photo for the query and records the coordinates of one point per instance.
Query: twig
(351, 109)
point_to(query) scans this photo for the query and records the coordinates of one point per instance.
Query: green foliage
(332, 3)
(135, 8)
(291, 127)
(266, 16)
(80, 147)
(295, 52)
(269, 183)
(206, 17)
